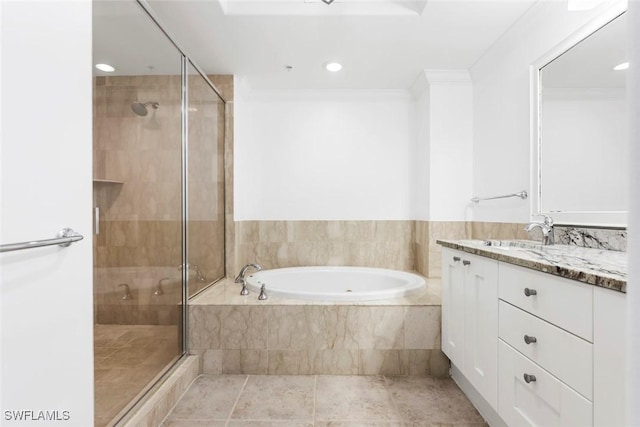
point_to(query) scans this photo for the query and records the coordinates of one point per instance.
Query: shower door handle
(96, 218)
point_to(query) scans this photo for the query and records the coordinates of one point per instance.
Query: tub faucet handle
(244, 290)
(263, 295)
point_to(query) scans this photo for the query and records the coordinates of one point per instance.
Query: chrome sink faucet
(241, 279)
(546, 227)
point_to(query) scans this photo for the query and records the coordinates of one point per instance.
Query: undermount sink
(506, 245)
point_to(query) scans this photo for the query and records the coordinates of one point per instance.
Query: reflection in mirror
(583, 173)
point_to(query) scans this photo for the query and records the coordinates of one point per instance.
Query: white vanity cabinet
(470, 319)
(539, 349)
(546, 350)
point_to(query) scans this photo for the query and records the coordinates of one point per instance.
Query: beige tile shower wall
(273, 244)
(141, 216)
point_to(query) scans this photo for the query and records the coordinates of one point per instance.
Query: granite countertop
(599, 267)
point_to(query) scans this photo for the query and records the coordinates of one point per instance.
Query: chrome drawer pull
(529, 340)
(456, 258)
(528, 292)
(529, 378)
(465, 262)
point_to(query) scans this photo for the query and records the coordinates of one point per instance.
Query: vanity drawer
(562, 354)
(545, 401)
(565, 303)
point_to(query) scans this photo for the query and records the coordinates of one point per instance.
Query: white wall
(46, 300)
(450, 124)
(324, 155)
(501, 162)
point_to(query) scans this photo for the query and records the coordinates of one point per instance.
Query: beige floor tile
(340, 401)
(210, 397)
(127, 358)
(193, 423)
(426, 401)
(353, 399)
(358, 424)
(267, 423)
(276, 397)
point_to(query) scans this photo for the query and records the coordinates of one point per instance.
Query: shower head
(140, 108)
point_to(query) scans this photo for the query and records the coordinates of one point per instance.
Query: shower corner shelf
(106, 181)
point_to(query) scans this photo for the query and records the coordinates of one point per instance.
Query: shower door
(205, 242)
(138, 206)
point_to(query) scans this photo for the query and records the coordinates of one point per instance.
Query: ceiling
(589, 64)
(382, 44)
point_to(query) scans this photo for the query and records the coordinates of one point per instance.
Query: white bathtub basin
(336, 283)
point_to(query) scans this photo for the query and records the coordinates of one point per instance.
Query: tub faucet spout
(240, 276)
(241, 279)
(547, 230)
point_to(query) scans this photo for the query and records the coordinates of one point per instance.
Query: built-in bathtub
(238, 334)
(336, 283)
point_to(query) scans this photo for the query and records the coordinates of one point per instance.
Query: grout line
(393, 401)
(315, 397)
(233, 408)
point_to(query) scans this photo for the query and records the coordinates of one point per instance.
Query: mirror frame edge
(612, 219)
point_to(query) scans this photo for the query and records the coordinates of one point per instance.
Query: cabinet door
(453, 307)
(481, 325)
(542, 401)
(609, 358)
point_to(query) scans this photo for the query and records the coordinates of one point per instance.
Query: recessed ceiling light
(622, 66)
(333, 66)
(105, 67)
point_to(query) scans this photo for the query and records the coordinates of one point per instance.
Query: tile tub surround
(599, 267)
(322, 401)
(399, 245)
(238, 334)
(274, 244)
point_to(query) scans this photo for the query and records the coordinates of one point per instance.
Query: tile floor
(322, 401)
(127, 359)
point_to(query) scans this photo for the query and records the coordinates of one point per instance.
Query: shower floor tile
(127, 359)
(323, 401)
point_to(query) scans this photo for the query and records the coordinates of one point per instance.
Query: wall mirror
(580, 143)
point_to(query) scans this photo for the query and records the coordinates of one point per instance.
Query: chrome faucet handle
(263, 295)
(244, 290)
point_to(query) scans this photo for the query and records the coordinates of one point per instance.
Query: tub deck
(237, 334)
(226, 292)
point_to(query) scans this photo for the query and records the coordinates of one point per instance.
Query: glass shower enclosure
(158, 201)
